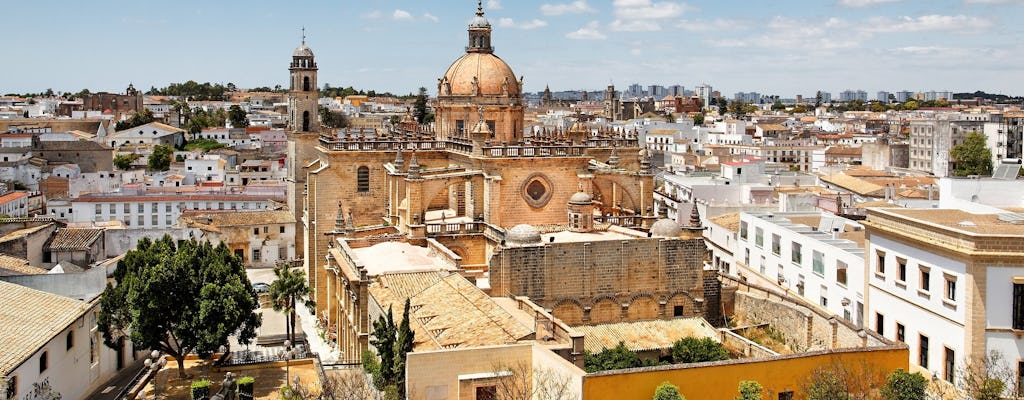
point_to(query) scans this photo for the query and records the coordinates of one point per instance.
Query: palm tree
(289, 286)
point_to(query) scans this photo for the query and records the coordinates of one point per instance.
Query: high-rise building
(882, 96)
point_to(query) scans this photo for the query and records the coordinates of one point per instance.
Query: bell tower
(303, 93)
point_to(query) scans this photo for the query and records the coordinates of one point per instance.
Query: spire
(480, 8)
(414, 167)
(399, 162)
(479, 32)
(695, 217)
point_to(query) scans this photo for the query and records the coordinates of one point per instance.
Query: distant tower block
(303, 94)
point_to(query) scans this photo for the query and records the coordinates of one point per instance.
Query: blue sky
(783, 47)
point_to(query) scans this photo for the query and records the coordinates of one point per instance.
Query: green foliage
(618, 357)
(750, 390)
(192, 90)
(667, 391)
(902, 385)
(826, 384)
(331, 119)
(391, 393)
(393, 345)
(691, 350)
(370, 363)
(419, 109)
(777, 105)
(972, 156)
(17, 185)
(329, 91)
(138, 119)
(237, 116)
(989, 389)
(197, 119)
(178, 299)
(124, 161)
(204, 144)
(200, 389)
(289, 287)
(160, 159)
(698, 119)
(245, 387)
(246, 380)
(405, 338)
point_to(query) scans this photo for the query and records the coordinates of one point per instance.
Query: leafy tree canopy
(902, 385)
(667, 391)
(204, 144)
(137, 119)
(238, 117)
(972, 157)
(179, 299)
(691, 350)
(160, 159)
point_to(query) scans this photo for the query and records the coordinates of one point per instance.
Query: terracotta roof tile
(13, 266)
(31, 318)
(74, 239)
(644, 335)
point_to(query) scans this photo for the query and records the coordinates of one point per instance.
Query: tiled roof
(644, 335)
(22, 233)
(12, 196)
(31, 318)
(220, 219)
(71, 239)
(728, 221)
(13, 266)
(856, 185)
(450, 313)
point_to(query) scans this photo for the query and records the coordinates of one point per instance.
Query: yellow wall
(720, 380)
(434, 375)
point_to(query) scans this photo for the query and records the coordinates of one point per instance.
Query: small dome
(522, 234)
(493, 76)
(581, 198)
(302, 51)
(479, 22)
(665, 228)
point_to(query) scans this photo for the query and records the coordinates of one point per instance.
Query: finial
(480, 8)
(303, 35)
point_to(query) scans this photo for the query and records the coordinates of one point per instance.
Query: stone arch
(432, 188)
(684, 300)
(643, 306)
(605, 310)
(625, 196)
(569, 311)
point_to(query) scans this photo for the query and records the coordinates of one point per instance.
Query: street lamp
(154, 363)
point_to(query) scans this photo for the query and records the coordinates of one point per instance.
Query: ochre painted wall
(720, 381)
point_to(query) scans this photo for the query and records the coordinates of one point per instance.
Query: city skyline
(784, 48)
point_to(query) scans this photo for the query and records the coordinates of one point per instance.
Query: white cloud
(926, 23)
(714, 25)
(636, 25)
(575, 7)
(401, 15)
(647, 9)
(493, 4)
(863, 3)
(375, 14)
(531, 24)
(590, 31)
(430, 17)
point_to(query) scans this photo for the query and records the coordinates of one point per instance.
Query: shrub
(201, 389)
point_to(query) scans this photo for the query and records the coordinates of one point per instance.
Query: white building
(159, 210)
(816, 255)
(948, 283)
(153, 133)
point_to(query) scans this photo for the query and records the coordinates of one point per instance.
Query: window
(44, 361)
(950, 365)
(797, 253)
(264, 229)
(94, 355)
(743, 230)
(12, 387)
(112, 208)
(746, 257)
(155, 219)
(901, 269)
(841, 272)
(486, 393)
(677, 311)
(824, 296)
(255, 254)
(281, 229)
(167, 207)
(127, 209)
(926, 279)
(818, 260)
(923, 351)
(901, 333)
(255, 231)
(776, 244)
(142, 208)
(950, 287)
(786, 395)
(99, 209)
(1018, 306)
(69, 340)
(142, 220)
(1020, 378)
(880, 262)
(880, 324)
(759, 237)
(363, 179)
(153, 207)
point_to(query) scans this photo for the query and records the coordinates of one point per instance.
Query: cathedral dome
(302, 51)
(665, 228)
(493, 76)
(522, 234)
(479, 22)
(581, 198)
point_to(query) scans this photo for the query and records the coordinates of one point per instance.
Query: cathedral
(516, 209)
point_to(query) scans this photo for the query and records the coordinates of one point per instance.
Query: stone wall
(605, 281)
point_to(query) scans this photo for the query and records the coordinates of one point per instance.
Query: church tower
(303, 93)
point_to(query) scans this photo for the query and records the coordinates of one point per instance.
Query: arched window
(305, 121)
(363, 179)
(305, 84)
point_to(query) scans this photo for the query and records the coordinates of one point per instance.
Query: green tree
(403, 346)
(124, 161)
(139, 118)
(204, 144)
(419, 109)
(691, 350)
(698, 119)
(667, 391)
(331, 119)
(289, 288)
(777, 105)
(178, 299)
(384, 337)
(160, 158)
(972, 157)
(237, 117)
(826, 384)
(902, 385)
(723, 106)
(618, 357)
(750, 390)
(910, 105)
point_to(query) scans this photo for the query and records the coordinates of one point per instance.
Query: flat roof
(398, 257)
(595, 236)
(961, 221)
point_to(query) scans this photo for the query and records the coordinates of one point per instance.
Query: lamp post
(154, 363)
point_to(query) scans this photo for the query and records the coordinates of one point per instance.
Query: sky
(780, 47)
